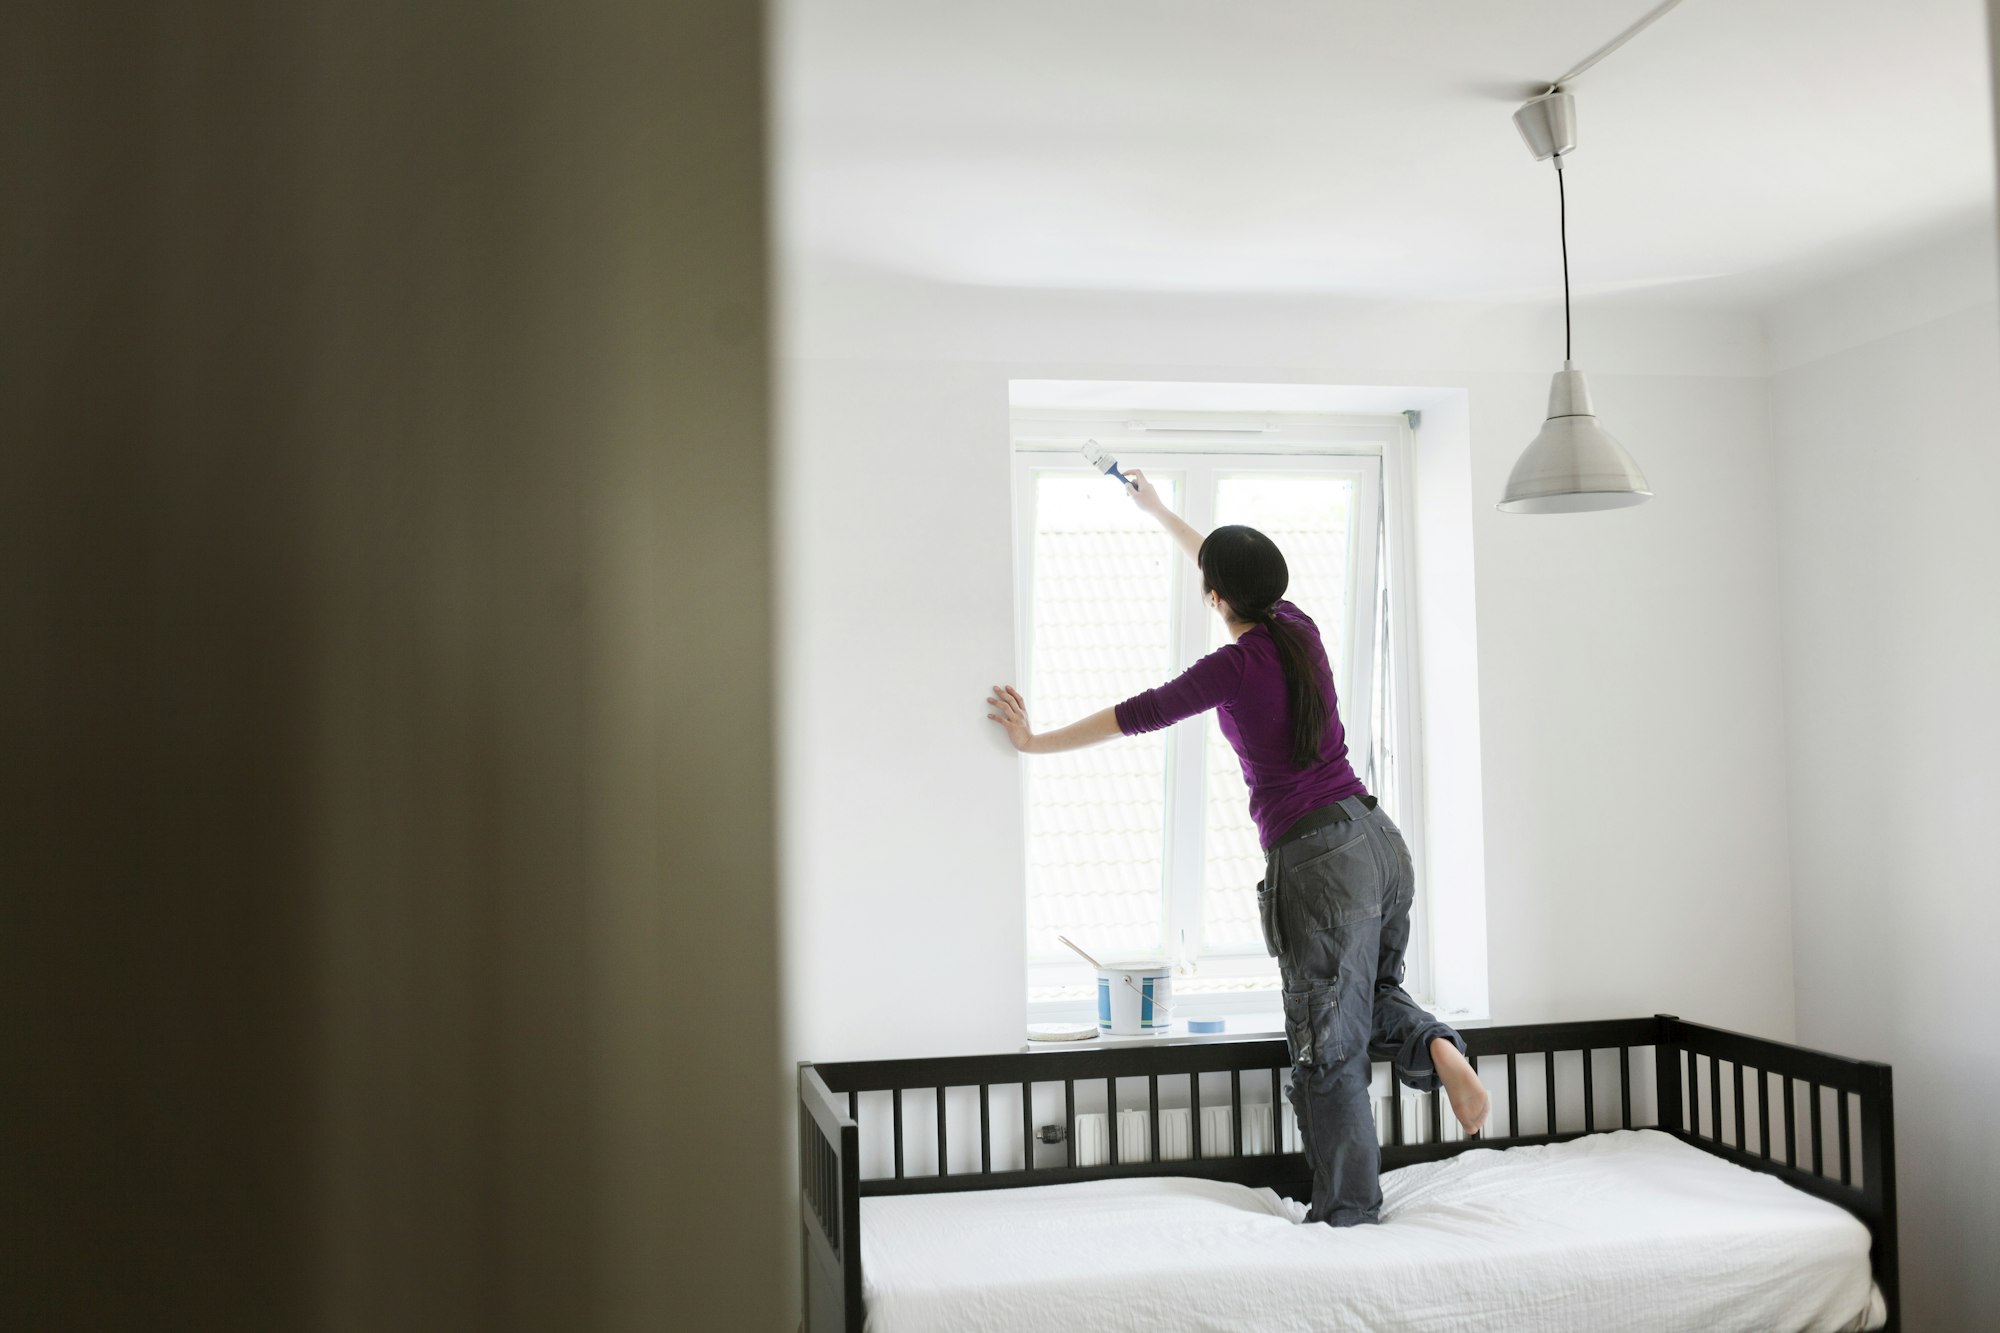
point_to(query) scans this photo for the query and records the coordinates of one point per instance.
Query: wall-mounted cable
(1657, 13)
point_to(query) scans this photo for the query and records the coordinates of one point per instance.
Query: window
(1143, 848)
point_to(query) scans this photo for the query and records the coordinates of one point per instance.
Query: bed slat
(1153, 1116)
(1513, 1100)
(1817, 1162)
(1277, 1126)
(1764, 1114)
(1194, 1113)
(1028, 1126)
(1549, 1077)
(1791, 1121)
(1589, 1096)
(1736, 1073)
(985, 1128)
(1842, 1125)
(944, 1158)
(1069, 1121)
(1625, 1087)
(1111, 1118)
(897, 1096)
(1236, 1111)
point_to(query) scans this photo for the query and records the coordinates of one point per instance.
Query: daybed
(1647, 1174)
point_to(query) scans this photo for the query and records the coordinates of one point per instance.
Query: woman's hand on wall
(1011, 712)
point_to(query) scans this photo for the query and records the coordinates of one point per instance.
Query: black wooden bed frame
(831, 1186)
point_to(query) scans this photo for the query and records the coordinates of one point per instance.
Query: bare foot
(1469, 1101)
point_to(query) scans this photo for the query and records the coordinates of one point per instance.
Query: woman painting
(1335, 900)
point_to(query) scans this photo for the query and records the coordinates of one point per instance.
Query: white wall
(1886, 411)
(1629, 663)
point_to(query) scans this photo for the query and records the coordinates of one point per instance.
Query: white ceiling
(1731, 153)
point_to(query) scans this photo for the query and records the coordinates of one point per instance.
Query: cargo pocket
(1312, 1025)
(1267, 916)
(1341, 884)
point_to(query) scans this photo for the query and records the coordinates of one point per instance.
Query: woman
(1335, 899)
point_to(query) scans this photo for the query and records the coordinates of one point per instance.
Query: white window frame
(1197, 447)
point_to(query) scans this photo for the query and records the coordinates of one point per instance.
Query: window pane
(1102, 630)
(1307, 516)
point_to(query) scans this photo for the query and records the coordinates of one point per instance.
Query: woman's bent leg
(1401, 1030)
(1424, 1053)
(1331, 896)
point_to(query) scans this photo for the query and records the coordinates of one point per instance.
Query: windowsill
(1237, 1027)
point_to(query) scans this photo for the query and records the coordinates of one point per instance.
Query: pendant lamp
(1573, 464)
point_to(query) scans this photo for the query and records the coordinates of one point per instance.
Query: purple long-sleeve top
(1245, 684)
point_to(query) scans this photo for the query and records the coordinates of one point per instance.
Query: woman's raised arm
(1148, 499)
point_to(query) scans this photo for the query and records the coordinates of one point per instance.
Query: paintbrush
(1100, 458)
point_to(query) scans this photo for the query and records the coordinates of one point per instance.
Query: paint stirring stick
(1137, 989)
(1072, 945)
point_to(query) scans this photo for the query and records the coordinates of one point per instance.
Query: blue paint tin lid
(1206, 1025)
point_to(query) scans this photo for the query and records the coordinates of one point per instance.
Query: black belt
(1315, 820)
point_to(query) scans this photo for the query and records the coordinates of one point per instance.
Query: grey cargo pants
(1335, 909)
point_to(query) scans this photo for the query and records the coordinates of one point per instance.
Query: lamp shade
(1573, 464)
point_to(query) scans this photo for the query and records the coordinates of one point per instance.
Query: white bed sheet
(1631, 1231)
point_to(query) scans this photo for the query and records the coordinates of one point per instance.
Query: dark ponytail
(1245, 568)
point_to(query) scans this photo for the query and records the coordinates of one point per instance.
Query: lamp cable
(1562, 227)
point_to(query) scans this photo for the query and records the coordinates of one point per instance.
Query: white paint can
(1143, 1006)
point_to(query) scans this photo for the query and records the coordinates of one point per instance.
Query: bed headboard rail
(1822, 1123)
(829, 1209)
(1561, 1080)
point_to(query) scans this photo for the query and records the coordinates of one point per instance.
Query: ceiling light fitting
(1548, 125)
(1573, 464)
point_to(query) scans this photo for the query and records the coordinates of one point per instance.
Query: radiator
(1176, 1139)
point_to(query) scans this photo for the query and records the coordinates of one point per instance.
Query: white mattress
(1633, 1231)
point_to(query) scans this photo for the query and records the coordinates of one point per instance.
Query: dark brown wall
(385, 832)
